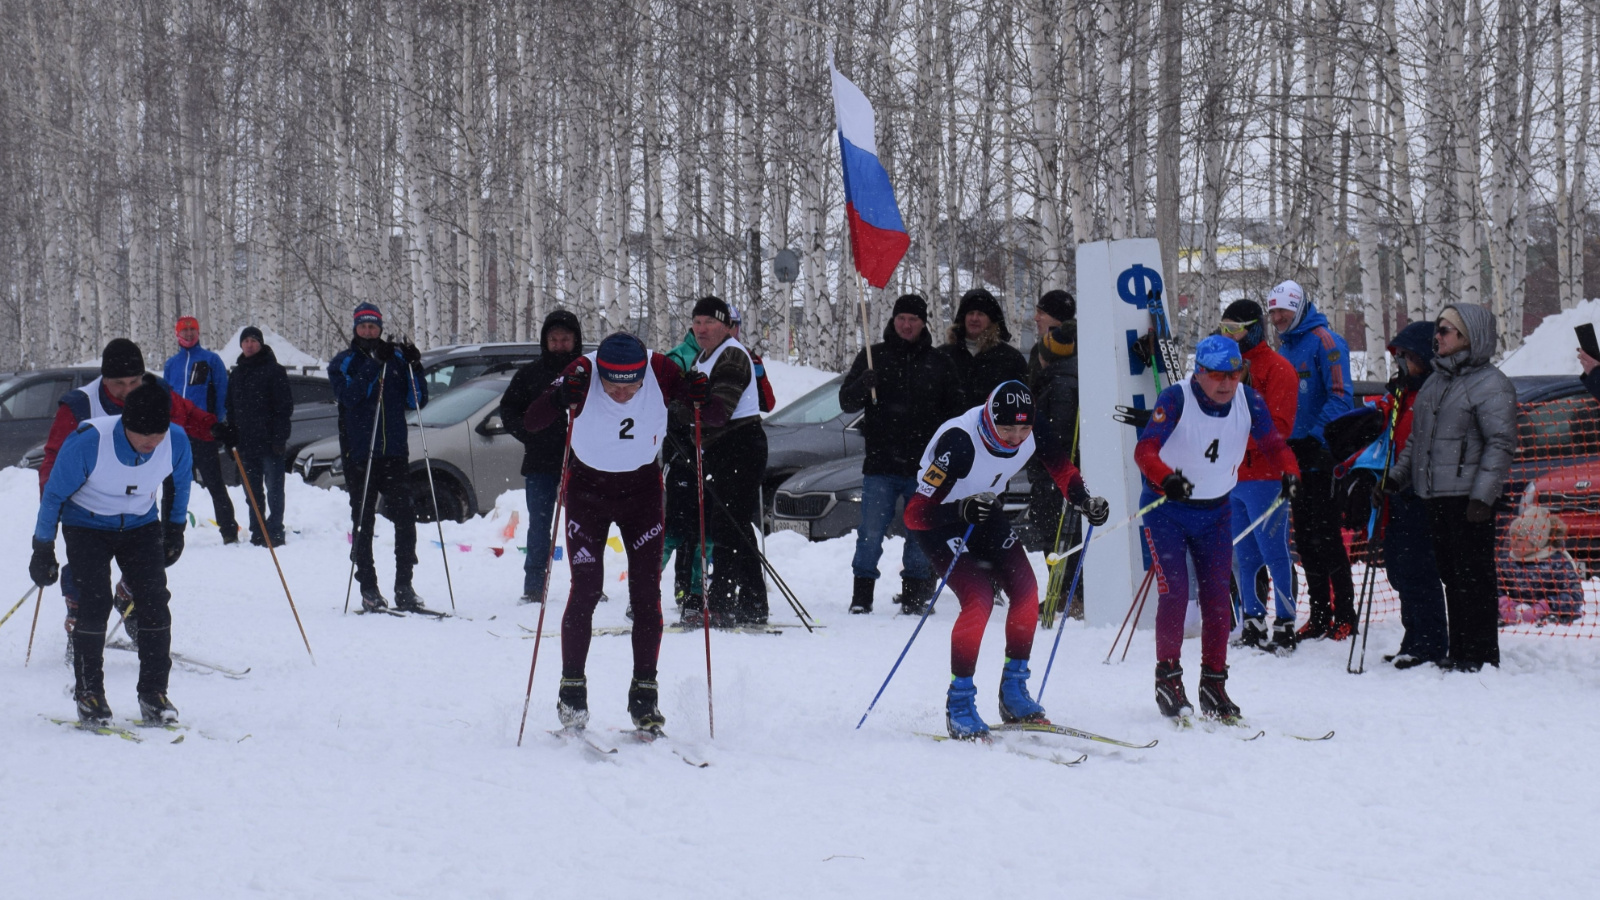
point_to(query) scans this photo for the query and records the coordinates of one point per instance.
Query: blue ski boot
(961, 711)
(1015, 703)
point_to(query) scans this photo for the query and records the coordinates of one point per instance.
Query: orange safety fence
(1547, 529)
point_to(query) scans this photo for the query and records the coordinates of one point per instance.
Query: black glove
(1131, 415)
(226, 432)
(1479, 512)
(1382, 490)
(1312, 454)
(1177, 487)
(978, 509)
(172, 537)
(574, 387)
(412, 355)
(280, 450)
(42, 568)
(382, 351)
(1096, 510)
(1290, 483)
(200, 373)
(1144, 349)
(699, 386)
(869, 380)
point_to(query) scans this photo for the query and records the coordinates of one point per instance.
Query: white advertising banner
(1114, 280)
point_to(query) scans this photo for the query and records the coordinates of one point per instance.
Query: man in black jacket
(260, 406)
(917, 390)
(561, 342)
(1053, 376)
(978, 346)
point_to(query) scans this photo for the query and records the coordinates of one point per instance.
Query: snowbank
(1552, 347)
(288, 354)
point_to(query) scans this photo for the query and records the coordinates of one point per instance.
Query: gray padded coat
(1464, 429)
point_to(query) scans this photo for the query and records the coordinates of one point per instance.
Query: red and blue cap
(368, 312)
(622, 358)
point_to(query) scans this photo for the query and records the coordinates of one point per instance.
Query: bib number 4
(1212, 453)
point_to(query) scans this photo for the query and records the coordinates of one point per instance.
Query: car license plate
(800, 525)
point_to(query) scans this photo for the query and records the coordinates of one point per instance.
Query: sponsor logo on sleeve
(935, 476)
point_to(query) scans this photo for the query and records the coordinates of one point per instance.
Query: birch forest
(470, 166)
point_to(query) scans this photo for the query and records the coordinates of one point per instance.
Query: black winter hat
(982, 301)
(913, 304)
(147, 408)
(1416, 338)
(1011, 403)
(560, 318)
(715, 307)
(1059, 305)
(250, 331)
(1243, 311)
(120, 359)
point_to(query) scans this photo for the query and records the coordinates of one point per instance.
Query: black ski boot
(642, 695)
(1214, 701)
(572, 702)
(1253, 633)
(372, 599)
(1283, 636)
(1170, 698)
(406, 599)
(915, 594)
(156, 709)
(92, 707)
(861, 597)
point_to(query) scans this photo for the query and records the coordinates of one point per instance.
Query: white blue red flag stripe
(878, 238)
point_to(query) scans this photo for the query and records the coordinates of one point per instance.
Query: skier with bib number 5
(1190, 453)
(619, 421)
(956, 517)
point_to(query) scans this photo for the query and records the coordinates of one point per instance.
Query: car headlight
(853, 495)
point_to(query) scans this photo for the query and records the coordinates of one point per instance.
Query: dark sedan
(28, 405)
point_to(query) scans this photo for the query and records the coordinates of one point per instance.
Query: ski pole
(1369, 578)
(1057, 643)
(705, 573)
(261, 523)
(1055, 558)
(366, 484)
(920, 622)
(1143, 586)
(549, 563)
(1149, 585)
(18, 604)
(427, 465)
(1052, 591)
(38, 600)
(1258, 520)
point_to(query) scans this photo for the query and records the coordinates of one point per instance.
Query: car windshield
(456, 405)
(821, 404)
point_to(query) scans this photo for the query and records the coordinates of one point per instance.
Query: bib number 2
(625, 432)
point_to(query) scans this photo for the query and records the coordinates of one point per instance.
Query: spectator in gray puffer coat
(1463, 434)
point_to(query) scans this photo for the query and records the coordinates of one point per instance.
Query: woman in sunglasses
(1463, 434)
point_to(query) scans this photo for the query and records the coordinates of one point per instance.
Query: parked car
(449, 367)
(28, 405)
(475, 459)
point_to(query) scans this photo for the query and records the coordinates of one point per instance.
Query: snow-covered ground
(390, 768)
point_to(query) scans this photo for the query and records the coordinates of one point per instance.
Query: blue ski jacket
(200, 377)
(1321, 359)
(78, 458)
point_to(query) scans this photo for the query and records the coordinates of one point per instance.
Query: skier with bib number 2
(968, 460)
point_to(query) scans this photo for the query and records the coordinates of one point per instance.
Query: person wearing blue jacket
(375, 381)
(104, 493)
(1321, 359)
(201, 377)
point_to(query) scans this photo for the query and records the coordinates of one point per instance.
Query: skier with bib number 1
(956, 517)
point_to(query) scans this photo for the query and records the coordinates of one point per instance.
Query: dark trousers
(1464, 552)
(208, 471)
(735, 465)
(1321, 547)
(993, 557)
(631, 501)
(391, 479)
(141, 555)
(264, 473)
(1408, 556)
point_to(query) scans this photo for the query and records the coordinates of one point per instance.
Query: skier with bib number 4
(619, 421)
(969, 458)
(1190, 452)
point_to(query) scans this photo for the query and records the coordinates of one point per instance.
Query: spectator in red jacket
(1275, 379)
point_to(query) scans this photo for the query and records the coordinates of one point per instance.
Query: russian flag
(878, 238)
